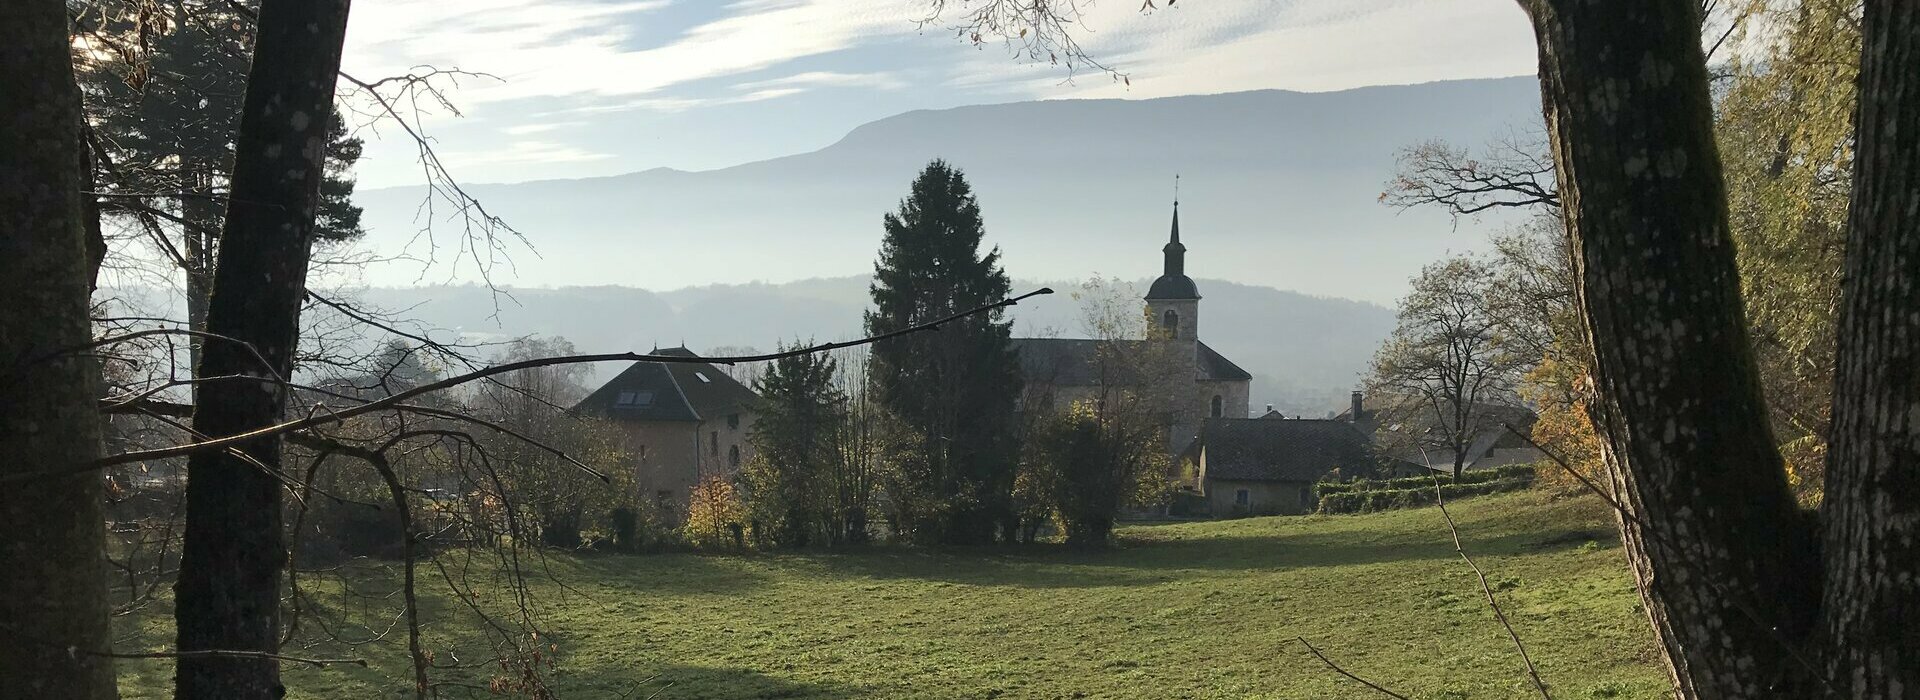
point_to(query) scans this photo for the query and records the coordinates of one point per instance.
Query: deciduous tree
(1446, 356)
(53, 599)
(228, 597)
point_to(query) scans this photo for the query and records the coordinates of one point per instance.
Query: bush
(1479, 476)
(1372, 500)
(716, 518)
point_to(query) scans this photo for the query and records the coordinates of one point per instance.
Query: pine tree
(951, 393)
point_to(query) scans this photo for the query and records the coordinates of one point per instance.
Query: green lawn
(1197, 610)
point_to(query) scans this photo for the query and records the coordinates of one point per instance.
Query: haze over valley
(1278, 188)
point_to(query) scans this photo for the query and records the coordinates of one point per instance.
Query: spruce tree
(952, 392)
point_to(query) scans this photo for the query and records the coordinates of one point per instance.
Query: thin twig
(1492, 601)
(1336, 669)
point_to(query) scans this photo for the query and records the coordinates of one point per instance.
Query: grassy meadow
(1192, 610)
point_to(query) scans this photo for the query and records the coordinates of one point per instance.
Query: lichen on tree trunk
(1871, 510)
(53, 599)
(1724, 561)
(228, 595)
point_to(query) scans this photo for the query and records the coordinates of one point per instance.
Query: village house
(1269, 465)
(1407, 434)
(684, 422)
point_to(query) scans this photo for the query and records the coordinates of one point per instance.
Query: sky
(584, 88)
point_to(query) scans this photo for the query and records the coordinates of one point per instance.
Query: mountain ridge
(1281, 188)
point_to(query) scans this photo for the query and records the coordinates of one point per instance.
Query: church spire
(1174, 282)
(1175, 252)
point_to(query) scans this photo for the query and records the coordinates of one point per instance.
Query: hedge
(1370, 501)
(1478, 476)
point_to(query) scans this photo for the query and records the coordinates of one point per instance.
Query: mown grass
(1195, 610)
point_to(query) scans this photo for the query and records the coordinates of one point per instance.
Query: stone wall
(671, 457)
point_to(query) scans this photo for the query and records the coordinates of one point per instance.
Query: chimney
(1358, 412)
(1269, 408)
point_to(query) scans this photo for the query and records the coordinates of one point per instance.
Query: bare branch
(1337, 669)
(402, 397)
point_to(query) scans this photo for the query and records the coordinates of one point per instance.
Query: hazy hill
(1278, 189)
(1304, 351)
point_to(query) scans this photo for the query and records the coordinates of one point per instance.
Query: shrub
(1375, 500)
(715, 515)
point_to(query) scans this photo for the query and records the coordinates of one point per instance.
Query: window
(1306, 498)
(634, 398)
(733, 421)
(1219, 407)
(643, 453)
(713, 442)
(1170, 320)
(703, 377)
(663, 498)
(733, 455)
(1241, 497)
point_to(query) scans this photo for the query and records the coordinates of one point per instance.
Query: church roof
(1174, 282)
(668, 391)
(1219, 367)
(1071, 361)
(1173, 287)
(1256, 449)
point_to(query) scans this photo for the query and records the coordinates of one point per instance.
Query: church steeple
(1174, 282)
(1174, 301)
(1176, 253)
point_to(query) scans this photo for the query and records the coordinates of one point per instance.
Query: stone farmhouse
(684, 422)
(1269, 465)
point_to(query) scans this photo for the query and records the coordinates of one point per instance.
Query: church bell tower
(1173, 302)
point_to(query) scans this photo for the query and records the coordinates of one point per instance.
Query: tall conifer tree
(952, 393)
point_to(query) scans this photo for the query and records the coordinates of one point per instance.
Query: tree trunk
(1871, 518)
(1724, 561)
(229, 591)
(203, 215)
(53, 598)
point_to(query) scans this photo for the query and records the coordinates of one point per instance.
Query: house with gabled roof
(1409, 435)
(1268, 466)
(683, 421)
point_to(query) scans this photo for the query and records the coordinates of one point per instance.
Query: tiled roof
(1071, 361)
(668, 391)
(1402, 425)
(1256, 449)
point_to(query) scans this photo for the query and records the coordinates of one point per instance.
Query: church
(1063, 370)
